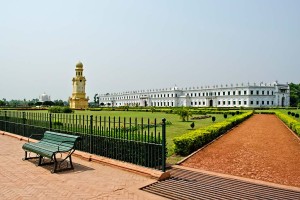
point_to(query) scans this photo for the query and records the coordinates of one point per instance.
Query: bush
(60, 109)
(293, 114)
(297, 115)
(289, 113)
(213, 118)
(290, 122)
(193, 140)
(225, 116)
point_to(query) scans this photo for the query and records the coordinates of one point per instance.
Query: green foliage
(294, 94)
(290, 122)
(184, 114)
(213, 118)
(192, 125)
(225, 115)
(60, 109)
(193, 140)
(297, 115)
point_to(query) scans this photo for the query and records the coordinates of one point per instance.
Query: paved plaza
(90, 180)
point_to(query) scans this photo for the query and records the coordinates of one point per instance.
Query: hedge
(193, 140)
(290, 122)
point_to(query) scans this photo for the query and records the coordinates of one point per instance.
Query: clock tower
(78, 99)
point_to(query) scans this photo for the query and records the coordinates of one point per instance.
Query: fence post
(24, 122)
(50, 122)
(91, 133)
(5, 120)
(163, 145)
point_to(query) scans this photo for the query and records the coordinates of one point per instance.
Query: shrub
(213, 118)
(297, 115)
(59, 109)
(293, 114)
(290, 122)
(192, 125)
(193, 140)
(289, 113)
(225, 115)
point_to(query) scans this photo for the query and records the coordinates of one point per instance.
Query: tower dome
(79, 65)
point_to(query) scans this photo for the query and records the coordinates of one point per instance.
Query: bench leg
(71, 163)
(27, 158)
(55, 164)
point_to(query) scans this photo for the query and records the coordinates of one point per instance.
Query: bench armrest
(64, 142)
(33, 135)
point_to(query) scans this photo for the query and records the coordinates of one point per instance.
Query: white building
(44, 97)
(243, 95)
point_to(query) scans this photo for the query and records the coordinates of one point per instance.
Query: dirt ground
(260, 148)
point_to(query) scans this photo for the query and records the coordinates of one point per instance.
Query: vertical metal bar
(5, 121)
(91, 133)
(50, 122)
(24, 122)
(163, 144)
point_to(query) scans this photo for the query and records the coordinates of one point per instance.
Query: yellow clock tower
(78, 99)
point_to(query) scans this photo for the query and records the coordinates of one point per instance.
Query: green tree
(184, 114)
(294, 94)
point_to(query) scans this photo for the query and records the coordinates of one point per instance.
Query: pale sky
(139, 44)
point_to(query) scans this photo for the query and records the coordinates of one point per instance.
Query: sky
(128, 45)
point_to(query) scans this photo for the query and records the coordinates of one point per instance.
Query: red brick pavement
(23, 180)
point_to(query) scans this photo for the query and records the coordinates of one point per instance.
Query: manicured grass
(177, 128)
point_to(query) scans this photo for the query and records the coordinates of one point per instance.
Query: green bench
(49, 146)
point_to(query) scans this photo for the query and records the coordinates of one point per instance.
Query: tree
(96, 99)
(294, 94)
(184, 114)
(192, 125)
(2, 103)
(213, 118)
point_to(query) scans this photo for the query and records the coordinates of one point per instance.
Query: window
(219, 102)
(233, 92)
(195, 103)
(240, 102)
(268, 102)
(191, 94)
(191, 103)
(262, 102)
(223, 93)
(268, 92)
(228, 92)
(257, 102)
(257, 92)
(251, 92)
(199, 94)
(263, 92)
(245, 92)
(195, 94)
(245, 102)
(228, 102)
(239, 92)
(218, 93)
(251, 102)
(199, 103)
(203, 102)
(233, 102)
(224, 102)
(272, 102)
(272, 93)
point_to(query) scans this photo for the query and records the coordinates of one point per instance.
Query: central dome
(79, 65)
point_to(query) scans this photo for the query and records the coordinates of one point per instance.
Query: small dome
(79, 65)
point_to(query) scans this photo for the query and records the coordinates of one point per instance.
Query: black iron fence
(141, 142)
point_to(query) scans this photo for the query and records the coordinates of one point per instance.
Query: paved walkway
(261, 148)
(23, 180)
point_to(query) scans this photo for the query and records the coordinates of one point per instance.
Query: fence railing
(141, 142)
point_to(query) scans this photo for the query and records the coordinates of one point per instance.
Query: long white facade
(239, 95)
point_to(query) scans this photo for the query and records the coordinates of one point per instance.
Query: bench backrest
(58, 138)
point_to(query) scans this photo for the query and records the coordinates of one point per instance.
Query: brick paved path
(260, 148)
(23, 180)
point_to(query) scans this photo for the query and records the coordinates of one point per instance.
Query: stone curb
(152, 173)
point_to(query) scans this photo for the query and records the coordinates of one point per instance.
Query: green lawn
(177, 128)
